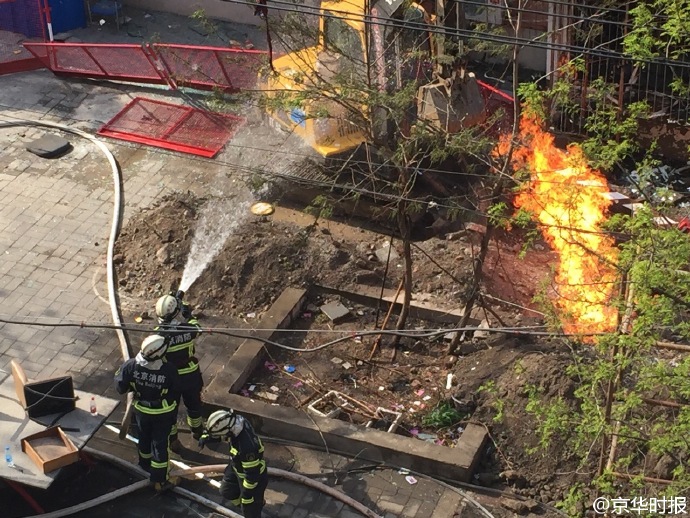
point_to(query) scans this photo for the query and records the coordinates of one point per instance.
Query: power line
(376, 195)
(350, 334)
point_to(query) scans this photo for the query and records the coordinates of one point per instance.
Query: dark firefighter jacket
(155, 384)
(180, 337)
(247, 452)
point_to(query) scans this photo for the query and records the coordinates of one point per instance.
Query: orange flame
(568, 199)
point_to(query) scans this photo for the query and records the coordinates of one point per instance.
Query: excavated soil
(266, 255)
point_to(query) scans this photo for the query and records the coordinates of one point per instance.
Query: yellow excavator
(381, 44)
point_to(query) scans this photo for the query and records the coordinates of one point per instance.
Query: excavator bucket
(451, 105)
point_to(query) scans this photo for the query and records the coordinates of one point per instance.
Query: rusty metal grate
(173, 126)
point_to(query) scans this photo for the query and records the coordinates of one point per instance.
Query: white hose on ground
(215, 468)
(294, 477)
(115, 225)
(183, 492)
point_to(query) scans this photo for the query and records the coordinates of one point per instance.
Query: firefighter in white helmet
(180, 328)
(155, 384)
(246, 477)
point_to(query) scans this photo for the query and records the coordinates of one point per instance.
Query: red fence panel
(204, 68)
(172, 126)
(211, 67)
(125, 62)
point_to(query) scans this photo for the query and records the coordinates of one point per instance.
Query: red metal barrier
(199, 67)
(173, 126)
(211, 67)
(125, 62)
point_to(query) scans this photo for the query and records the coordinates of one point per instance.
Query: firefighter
(245, 478)
(180, 328)
(155, 384)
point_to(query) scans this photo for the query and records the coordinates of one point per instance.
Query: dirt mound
(256, 263)
(504, 381)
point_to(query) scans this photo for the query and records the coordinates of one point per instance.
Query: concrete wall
(229, 11)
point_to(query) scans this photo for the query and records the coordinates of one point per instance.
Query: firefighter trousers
(231, 488)
(154, 443)
(191, 386)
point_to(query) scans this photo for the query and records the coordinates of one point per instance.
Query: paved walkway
(56, 216)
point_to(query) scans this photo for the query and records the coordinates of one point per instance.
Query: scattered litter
(274, 388)
(411, 480)
(289, 368)
(298, 384)
(358, 339)
(336, 360)
(138, 320)
(449, 381)
(428, 437)
(101, 22)
(403, 471)
(306, 314)
(439, 442)
(460, 429)
(473, 368)
(267, 395)
(417, 403)
(381, 389)
(147, 15)
(347, 365)
(420, 392)
(244, 392)
(426, 398)
(360, 362)
(360, 313)
(414, 432)
(270, 366)
(252, 388)
(251, 315)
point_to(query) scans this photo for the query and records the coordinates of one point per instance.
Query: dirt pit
(264, 256)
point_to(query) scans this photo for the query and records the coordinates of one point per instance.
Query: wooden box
(50, 449)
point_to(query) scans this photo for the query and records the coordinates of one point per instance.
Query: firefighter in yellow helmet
(246, 477)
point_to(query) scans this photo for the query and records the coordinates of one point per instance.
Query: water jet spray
(219, 218)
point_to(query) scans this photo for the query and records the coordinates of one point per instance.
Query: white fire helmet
(224, 422)
(153, 347)
(166, 307)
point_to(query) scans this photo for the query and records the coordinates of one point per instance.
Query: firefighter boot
(161, 487)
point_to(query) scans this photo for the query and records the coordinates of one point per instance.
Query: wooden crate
(50, 449)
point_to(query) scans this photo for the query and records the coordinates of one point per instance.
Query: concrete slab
(15, 424)
(335, 311)
(370, 297)
(248, 355)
